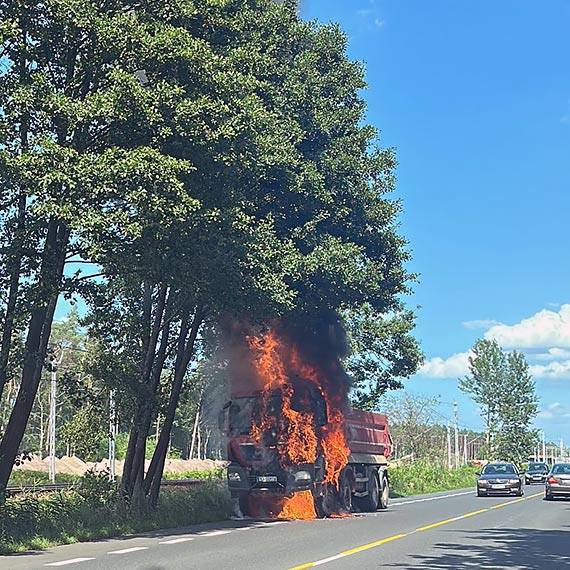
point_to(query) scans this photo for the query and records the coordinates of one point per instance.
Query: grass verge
(425, 477)
(93, 510)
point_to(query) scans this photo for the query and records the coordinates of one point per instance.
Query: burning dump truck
(295, 448)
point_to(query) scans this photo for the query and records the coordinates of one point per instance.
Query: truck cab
(257, 432)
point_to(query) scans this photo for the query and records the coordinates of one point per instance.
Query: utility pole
(112, 434)
(543, 446)
(52, 410)
(456, 434)
(52, 413)
(449, 465)
(465, 449)
(561, 449)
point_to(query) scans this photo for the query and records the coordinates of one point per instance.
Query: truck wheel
(244, 505)
(370, 502)
(345, 494)
(384, 493)
(325, 503)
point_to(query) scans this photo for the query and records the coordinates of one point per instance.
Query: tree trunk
(39, 331)
(14, 287)
(156, 468)
(18, 242)
(133, 472)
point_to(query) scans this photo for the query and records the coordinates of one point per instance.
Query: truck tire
(384, 492)
(344, 497)
(370, 502)
(325, 503)
(244, 505)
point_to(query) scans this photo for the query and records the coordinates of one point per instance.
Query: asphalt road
(451, 531)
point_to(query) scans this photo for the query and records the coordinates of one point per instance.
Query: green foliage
(383, 352)
(518, 407)
(211, 474)
(93, 510)
(86, 433)
(501, 383)
(422, 477)
(29, 477)
(414, 425)
(487, 379)
(239, 178)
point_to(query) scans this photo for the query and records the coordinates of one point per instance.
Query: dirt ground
(75, 466)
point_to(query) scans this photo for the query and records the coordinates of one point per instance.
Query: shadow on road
(516, 548)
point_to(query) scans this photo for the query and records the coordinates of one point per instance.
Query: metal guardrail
(51, 487)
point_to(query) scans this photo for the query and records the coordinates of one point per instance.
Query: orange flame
(280, 367)
(299, 506)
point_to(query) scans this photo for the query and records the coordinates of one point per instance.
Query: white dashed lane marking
(214, 533)
(431, 498)
(177, 540)
(70, 561)
(128, 550)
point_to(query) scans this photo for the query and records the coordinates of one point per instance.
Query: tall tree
(518, 408)
(487, 383)
(212, 158)
(78, 129)
(414, 424)
(383, 352)
(501, 383)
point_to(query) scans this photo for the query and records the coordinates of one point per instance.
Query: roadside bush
(93, 509)
(429, 477)
(210, 474)
(29, 477)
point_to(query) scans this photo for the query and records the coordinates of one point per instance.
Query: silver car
(499, 479)
(558, 481)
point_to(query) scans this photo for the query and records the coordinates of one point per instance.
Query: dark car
(558, 481)
(536, 473)
(499, 479)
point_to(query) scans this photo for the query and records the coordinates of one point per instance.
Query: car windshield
(505, 469)
(561, 469)
(537, 467)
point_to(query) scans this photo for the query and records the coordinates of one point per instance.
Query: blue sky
(475, 96)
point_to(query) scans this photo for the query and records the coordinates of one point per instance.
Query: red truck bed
(368, 432)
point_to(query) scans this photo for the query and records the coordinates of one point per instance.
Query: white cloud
(554, 410)
(545, 329)
(553, 354)
(552, 370)
(453, 367)
(480, 324)
(371, 15)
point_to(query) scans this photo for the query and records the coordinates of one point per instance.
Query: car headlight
(513, 480)
(302, 476)
(234, 476)
(483, 482)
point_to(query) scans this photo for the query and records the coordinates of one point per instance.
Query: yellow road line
(372, 544)
(472, 514)
(434, 525)
(398, 536)
(516, 501)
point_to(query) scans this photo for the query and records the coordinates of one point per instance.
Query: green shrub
(92, 509)
(29, 477)
(211, 474)
(429, 477)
